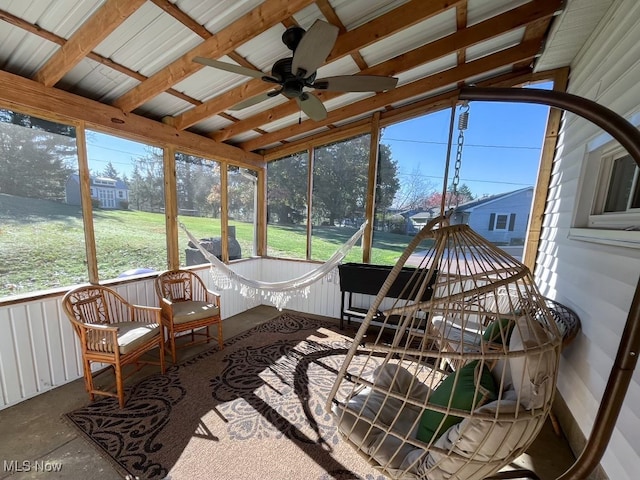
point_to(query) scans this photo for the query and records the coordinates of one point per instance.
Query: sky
(501, 149)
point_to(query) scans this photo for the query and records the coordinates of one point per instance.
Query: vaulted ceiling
(136, 57)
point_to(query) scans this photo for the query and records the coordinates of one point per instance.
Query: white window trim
(615, 228)
(618, 238)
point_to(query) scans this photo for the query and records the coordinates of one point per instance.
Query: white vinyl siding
(596, 280)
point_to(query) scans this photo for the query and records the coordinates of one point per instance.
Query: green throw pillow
(492, 333)
(462, 387)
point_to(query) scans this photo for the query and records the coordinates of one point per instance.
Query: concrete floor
(34, 430)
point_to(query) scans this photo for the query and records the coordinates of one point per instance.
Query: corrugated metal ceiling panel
(148, 40)
(23, 53)
(355, 13)
(264, 49)
(209, 82)
(480, 10)
(97, 81)
(63, 17)
(495, 44)
(410, 38)
(163, 105)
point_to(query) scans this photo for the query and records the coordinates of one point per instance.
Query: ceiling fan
(293, 74)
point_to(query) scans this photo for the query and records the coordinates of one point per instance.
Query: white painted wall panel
(598, 281)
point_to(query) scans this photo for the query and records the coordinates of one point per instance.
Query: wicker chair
(187, 305)
(112, 331)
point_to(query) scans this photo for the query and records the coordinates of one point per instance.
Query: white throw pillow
(533, 374)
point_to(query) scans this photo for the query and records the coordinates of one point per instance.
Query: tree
(416, 192)
(287, 189)
(110, 172)
(146, 190)
(463, 194)
(36, 156)
(198, 184)
(241, 197)
(340, 180)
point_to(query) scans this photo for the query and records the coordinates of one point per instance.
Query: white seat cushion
(193, 310)
(130, 336)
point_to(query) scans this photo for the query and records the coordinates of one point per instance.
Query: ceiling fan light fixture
(292, 36)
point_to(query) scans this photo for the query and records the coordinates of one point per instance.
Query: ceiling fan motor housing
(291, 84)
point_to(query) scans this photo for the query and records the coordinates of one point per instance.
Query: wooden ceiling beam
(24, 95)
(460, 40)
(98, 27)
(350, 42)
(183, 18)
(258, 20)
(495, 61)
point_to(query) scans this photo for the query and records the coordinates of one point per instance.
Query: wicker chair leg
(220, 337)
(119, 384)
(173, 347)
(88, 380)
(161, 352)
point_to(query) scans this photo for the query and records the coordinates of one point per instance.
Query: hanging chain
(463, 122)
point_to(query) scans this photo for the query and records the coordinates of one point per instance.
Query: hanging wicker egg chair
(463, 381)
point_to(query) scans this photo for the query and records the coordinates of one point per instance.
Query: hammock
(277, 293)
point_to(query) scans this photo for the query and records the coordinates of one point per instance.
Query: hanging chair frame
(627, 356)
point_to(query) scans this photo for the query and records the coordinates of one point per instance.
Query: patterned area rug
(255, 410)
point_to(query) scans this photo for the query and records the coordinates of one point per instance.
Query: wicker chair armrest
(213, 297)
(145, 314)
(98, 326)
(94, 334)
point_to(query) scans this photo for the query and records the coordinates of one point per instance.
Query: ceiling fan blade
(312, 106)
(356, 83)
(314, 48)
(252, 101)
(229, 67)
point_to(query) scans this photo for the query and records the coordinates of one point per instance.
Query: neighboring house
(420, 219)
(111, 192)
(502, 219)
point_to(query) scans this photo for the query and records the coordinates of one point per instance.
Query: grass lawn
(42, 243)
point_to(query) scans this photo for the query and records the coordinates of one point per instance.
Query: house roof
(136, 57)
(469, 206)
(117, 183)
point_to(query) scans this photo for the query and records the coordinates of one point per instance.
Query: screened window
(41, 230)
(242, 207)
(129, 231)
(287, 187)
(340, 176)
(199, 206)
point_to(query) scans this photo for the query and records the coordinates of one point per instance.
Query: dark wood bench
(367, 279)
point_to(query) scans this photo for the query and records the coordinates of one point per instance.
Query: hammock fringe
(277, 293)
